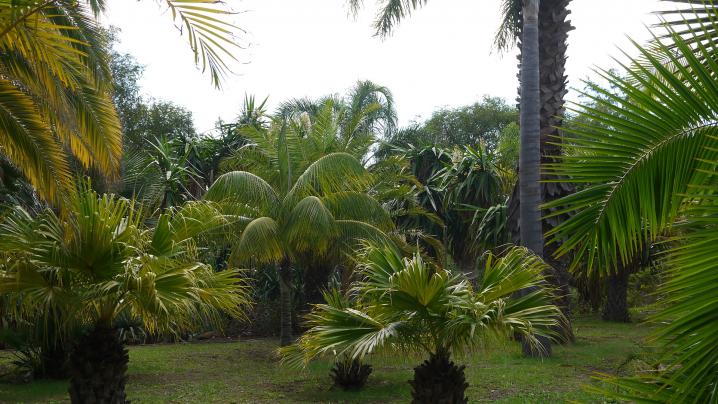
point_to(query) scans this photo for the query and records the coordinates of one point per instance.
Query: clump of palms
(85, 269)
(407, 304)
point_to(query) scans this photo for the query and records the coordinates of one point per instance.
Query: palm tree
(408, 305)
(55, 93)
(99, 261)
(647, 168)
(55, 87)
(161, 175)
(300, 193)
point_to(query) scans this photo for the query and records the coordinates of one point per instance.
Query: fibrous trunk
(439, 381)
(98, 368)
(285, 298)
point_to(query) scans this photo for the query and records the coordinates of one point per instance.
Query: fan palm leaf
(405, 303)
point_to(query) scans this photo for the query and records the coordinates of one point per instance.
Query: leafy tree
(474, 125)
(408, 305)
(301, 193)
(648, 169)
(99, 261)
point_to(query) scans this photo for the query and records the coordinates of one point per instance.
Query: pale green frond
(244, 188)
(358, 206)
(390, 13)
(260, 242)
(514, 270)
(309, 226)
(211, 37)
(334, 172)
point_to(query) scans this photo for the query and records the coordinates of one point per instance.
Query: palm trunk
(98, 368)
(530, 152)
(439, 380)
(616, 308)
(531, 233)
(285, 300)
(554, 27)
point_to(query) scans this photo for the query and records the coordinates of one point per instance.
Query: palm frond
(210, 36)
(636, 159)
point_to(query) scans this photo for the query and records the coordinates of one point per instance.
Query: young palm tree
(407, 305)
(99, 261)
(648, 169)
(300, 193)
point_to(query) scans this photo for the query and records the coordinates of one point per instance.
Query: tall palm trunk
(530, 152)
(553, 31)
(98, 368)
(285, 300)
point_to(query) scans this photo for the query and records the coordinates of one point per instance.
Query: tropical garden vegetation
(359, 244)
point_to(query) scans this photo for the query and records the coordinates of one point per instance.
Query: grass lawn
(248, 372)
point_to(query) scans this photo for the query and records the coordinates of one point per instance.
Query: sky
(441, 56)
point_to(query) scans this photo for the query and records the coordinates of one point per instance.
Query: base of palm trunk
(285, 299)
(98, 368)
(439, 381)
(616, 308)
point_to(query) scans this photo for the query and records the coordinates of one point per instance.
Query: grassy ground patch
(248, 372)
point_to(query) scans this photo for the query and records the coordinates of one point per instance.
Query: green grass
(248, 372)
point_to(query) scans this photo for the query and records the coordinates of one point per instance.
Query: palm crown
(409, 304)
(102, 260)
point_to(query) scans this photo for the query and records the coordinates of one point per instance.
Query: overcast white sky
(440, 56)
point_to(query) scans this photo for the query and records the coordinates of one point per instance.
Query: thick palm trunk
(98, 368)
(554, 27)
(439, 380)
(531, 233)
(285, 300)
